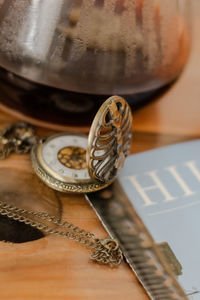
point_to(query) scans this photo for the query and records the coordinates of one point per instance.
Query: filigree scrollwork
(109, 139)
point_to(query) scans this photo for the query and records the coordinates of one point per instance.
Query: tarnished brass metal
(104, 251)
(18, 138)
(109, 139)
(146, 258)
(106, 149)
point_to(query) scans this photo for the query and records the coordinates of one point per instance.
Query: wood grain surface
(54, 268)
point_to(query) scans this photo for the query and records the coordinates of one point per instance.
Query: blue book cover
(163, 186)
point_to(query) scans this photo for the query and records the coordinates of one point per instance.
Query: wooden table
(56, 268)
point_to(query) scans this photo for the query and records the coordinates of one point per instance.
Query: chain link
(18, 138)
(106, 251)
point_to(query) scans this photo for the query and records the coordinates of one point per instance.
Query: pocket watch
(74, 163)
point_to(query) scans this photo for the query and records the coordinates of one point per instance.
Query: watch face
(60, 161)
(64, 157)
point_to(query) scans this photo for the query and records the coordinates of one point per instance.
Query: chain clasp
(108, 252)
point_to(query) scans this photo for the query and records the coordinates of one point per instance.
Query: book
(162, 190)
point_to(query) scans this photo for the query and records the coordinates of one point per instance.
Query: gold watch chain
(106, 251)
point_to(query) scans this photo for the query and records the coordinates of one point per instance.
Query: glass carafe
(60, 59)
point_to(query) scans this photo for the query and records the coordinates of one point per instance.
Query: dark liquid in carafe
(58, 106)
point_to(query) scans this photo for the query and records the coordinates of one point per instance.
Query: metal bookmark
(139, 249)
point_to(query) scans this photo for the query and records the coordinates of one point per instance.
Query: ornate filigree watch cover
(75, 163)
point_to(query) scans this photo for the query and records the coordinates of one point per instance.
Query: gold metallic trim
(62, 185)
